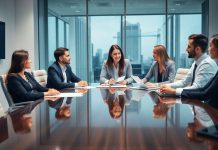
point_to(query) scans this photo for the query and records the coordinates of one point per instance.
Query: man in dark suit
(60, 75)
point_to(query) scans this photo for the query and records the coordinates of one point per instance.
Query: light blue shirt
(205, 71)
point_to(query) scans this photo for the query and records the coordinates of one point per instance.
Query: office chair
(40, 76)
(7, 95)
(181, 74)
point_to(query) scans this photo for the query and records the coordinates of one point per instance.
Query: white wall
(213, 17)
(20, 17)
(7, 15)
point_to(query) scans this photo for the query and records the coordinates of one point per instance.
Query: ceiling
(116, 7)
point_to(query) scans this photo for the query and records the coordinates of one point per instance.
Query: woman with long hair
(21, 85)
(116, 66)
(162, 69)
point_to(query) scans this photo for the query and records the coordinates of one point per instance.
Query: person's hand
(112, 90)
(81, 90)
(51, 98)
(123, 82)
(167, 89)
(149, 84)
(51, 92)
(82, 83)
(111, 81)
(167, 100)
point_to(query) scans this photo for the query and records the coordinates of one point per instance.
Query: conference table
(141, 120)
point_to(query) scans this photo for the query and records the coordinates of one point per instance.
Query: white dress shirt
(205, 71)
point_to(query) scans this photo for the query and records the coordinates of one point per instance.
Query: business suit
(56, 80)
(167, 76)
(109, 72)
(22, 91)
(208, 92)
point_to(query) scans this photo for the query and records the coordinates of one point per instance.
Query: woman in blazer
(162, 69)
(21, 84)
(116, 66)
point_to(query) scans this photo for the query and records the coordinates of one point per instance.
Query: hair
(59, 52)
(199, 40)
(214, 40)
(110, 103)
(62, 116)
(17, 61)
(162, 53)
(110, 59)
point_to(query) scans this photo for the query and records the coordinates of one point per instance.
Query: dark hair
(214, 40)
(110, 59)
(17, 61)
(110, 103)
(59, 52)
(60, 115)
(199, 40)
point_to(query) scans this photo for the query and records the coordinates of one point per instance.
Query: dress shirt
(205, 71)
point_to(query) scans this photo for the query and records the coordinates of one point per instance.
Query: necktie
(193, 77)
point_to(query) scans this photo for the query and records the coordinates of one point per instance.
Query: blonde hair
(162, 53)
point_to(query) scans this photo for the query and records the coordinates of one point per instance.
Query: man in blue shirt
(202, 70)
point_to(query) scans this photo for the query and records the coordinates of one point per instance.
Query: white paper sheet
(113, 86)
(67, 95)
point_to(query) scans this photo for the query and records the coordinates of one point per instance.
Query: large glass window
(142, 34)
(89, 28)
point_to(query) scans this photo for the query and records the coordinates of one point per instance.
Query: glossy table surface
(109, 119)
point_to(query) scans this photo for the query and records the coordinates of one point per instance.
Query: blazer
(208, 92)
(55, 77)
(167, 76)
(21, 90)
(108, 72)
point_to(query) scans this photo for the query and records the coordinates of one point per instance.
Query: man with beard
(202, 70)
(60, 74)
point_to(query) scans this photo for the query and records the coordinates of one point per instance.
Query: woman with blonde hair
(162, 69)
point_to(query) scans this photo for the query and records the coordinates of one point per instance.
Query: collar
(204, 56)
(63, 67)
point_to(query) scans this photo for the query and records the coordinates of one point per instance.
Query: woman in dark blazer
(21, 84)
(116, 66)
(162, 69)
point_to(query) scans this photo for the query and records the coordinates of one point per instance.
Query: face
(117, 110)
(190, 49)
(65, 59)
(116, 55)
(27, 64)
(212, 49)
(155, 55)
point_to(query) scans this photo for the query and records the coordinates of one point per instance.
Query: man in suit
(60, 75)
(202, 70)
(208, 92)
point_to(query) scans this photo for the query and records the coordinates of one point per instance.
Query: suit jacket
(22, 91)
(167, 76)
(108, 72)
(208, 92)
(56, 80)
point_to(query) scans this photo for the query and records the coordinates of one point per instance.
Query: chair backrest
(181, 74)
(4, 99)
(40, 76)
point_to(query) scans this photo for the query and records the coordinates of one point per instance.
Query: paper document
(85, 87)
(113, 86)
(120, 79)
(67, 95)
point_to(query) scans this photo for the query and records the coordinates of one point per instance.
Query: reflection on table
(112, 119)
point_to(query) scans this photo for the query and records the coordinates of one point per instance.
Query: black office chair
(7, 95)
